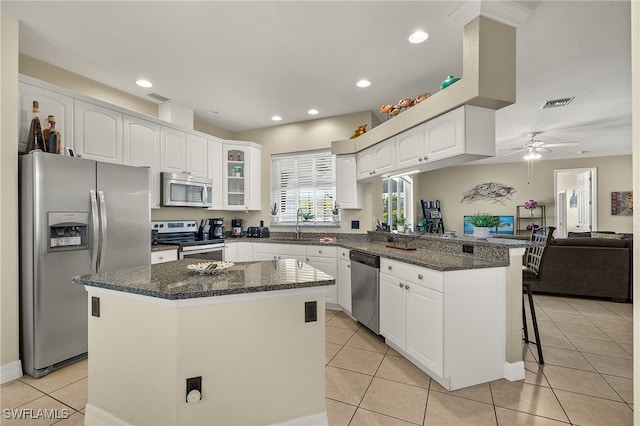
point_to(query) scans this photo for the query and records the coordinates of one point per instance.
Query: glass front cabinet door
(242, 177)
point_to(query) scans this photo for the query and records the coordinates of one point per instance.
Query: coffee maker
(236, 227)
(216, 230)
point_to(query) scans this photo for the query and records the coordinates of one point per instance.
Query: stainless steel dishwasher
(365, 289)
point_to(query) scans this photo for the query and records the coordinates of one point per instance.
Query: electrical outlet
(466, 248)
(95, 306)
(194, 389)
(310, 311)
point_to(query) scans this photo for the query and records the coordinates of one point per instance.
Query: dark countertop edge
(201, 294)
(163, 247)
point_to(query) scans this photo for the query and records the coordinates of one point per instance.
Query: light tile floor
(587, 378)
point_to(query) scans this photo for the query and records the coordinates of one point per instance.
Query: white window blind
(305, 181)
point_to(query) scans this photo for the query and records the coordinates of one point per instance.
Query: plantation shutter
(305, 181)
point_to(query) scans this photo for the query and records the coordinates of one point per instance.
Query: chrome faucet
(298, 216)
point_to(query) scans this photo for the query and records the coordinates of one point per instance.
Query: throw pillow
(607, 235)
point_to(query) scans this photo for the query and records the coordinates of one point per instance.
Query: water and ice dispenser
(68, 230)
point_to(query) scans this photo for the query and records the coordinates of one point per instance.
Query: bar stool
(532, 273)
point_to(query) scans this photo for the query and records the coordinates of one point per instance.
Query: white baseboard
(514, 371)
(94, 416)
(319, 419)
(11, 371)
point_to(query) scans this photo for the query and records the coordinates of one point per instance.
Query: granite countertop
(172, 280)
(162, 247)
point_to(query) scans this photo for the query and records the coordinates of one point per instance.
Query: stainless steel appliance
(184, 234)
(185, 190)
(365, 289)
(258, 231)
(236, 227)
(77, 217)
(217, 228)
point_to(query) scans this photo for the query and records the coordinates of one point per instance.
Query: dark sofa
(586, 266)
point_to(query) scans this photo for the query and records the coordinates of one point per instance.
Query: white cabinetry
(141, 148)
(215, 172)
(184, 152)
(343, 280)
(238, 251)
(444, 136)
(163, 256)
(410, 150)
(324, 258)
(269, 251)
(377, 160)
(97, 132)
(411, 312)
(51, 103)
(242, 173)
(348, 191)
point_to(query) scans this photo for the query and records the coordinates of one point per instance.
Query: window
(397, 200)
(305, 181)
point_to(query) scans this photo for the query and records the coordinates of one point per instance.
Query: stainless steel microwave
(185, 190)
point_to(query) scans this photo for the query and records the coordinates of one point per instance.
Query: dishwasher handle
(365, 258)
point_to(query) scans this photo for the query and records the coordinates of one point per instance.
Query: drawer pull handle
(320, 251)
(389, 267)
(420, 276)
(160, 257)
(348, 266)
(406, 287)
(401, 285)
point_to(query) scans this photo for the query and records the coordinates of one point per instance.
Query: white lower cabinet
(324, 258)
(164, 256)
(343, 280)
(269, 251)
(411, 314)
(238, 251)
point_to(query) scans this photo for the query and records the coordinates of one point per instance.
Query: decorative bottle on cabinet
(36, 138)
(52, 136)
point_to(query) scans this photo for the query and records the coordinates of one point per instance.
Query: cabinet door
(141, 148)
(231, 251)
(214, 149)
(265, 251)
(384, 157)
(328, 266)
(425, 333)
(348, 194)
(196, 155)
(292, 251)
(173, 150)
(234, 177)
(163, 256)
(409, 147)
(245, 252)
(444, 135)
(97, 132)
(393, 321)
(343, 283)
(51, 103)
(365, 163)
(253, 180)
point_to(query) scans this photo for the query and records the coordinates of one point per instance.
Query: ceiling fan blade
(553, 145)
(543, 148)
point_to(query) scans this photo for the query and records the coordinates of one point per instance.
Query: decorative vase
(448, 82)
(531, 212)
(481, 232)
(336, 218)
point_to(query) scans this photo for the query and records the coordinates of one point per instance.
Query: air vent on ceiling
(556, 103)
(158, 97)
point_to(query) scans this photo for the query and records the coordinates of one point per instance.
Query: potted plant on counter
(336, 213)
(482, 223)
(401, 224)
(274, 213)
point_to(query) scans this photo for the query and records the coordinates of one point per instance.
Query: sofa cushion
(579, 235)
(590, 242)
(607, 235)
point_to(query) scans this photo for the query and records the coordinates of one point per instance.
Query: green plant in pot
(336, 213)
(401, 224)
(307, 217)
(274, 213)
(482, 223)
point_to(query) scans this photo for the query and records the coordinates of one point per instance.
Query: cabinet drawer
(393, 267)
(343, 253)
(322, 251)
(164, 256)
(425, 277)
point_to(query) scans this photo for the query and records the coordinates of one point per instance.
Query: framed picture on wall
(622, 203)
(505, 227)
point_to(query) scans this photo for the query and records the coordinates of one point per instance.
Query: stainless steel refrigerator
(77, 216)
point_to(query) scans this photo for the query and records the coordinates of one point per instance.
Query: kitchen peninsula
(252, 336)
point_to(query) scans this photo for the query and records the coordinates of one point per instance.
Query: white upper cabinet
(348, 191)
(444, 135)
(242, 173)
(183, 152)
(51, 103)
(141, 147)
(377, 160)
(410, 148)
(97, 132)
(214, 150)
(197, 155)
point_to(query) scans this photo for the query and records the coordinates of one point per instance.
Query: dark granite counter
(172, 280)
(162, 247)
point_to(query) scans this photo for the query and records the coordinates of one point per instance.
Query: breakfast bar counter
(241, 346)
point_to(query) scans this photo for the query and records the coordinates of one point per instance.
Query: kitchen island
(252, 336)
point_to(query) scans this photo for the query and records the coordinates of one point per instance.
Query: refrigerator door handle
(103, 227)
(94, 227)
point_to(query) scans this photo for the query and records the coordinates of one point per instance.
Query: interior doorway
(576, 199)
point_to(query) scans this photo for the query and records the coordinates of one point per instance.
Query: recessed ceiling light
(363, 83)
(313, 112)
(144, 83)
(418, 37)
(276, 118)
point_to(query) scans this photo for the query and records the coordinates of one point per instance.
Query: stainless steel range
(184, 233)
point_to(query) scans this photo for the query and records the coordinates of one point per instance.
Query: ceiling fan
(534, 148)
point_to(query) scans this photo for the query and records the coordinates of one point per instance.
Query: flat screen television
(505, 227)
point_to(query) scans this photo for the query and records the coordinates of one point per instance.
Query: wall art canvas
(622, 203)
(505, 227)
